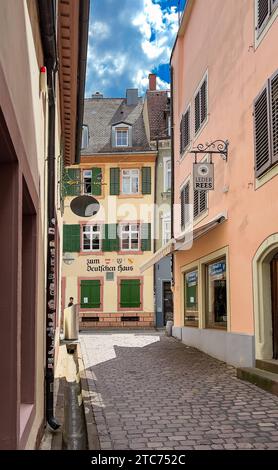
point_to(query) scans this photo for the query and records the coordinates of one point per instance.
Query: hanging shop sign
(203, 176)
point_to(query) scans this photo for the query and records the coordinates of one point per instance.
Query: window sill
(199, 218)
(216, 327)
(90, 309)
(135, 195)
(199, 131)
(184, 153)
(95, 253)
(259, 35)
(267, 176)
(131, 252)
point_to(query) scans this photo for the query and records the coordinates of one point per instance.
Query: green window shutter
(110, 241)
(90, 294)
(146, 180)
(72, 182)
(130, 293)
(146, 237)
(71, 238)
(114, 181)
(96, 181)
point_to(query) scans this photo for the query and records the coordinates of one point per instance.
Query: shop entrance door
(274, 302)
(167, 302)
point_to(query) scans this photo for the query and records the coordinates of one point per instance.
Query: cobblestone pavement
(153, 392)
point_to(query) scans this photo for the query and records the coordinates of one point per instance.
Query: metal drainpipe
(47, 18)
(154, 228)
(50, 299)
(172, 169)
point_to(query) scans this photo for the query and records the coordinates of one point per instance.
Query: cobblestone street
(153, 392)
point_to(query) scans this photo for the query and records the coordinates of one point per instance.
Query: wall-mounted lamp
(68, 258)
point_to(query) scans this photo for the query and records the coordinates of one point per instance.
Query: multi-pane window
(201, 105)
(92, 181)
(122, 137)
(185, 131)
(266, 126)
(184, 196)
(216, 294)
(87, 181)
(265, 10)
(129, 236)
(130, 181)
(200, 203)
(167, 174)
(166, 229)
(91, 237)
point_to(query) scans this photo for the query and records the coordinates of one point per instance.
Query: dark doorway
(167, 302)
(28, 301)
(274, 302)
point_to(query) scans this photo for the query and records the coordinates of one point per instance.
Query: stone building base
(116, 320)
(237, 349)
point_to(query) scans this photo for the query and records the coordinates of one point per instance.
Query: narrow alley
(149, 391)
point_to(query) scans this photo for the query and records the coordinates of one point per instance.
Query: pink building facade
(225, 86)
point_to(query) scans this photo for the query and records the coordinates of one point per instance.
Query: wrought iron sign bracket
(219, 147)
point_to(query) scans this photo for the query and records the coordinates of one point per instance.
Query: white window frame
(166, 171)
(131, 177)
(88, 229)
(130, 232)
(117, 131)
(84, 176)
(261, 32)
(166, 219)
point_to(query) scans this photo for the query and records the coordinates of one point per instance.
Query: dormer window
(85, 137)
(121, 137)
(122, 134)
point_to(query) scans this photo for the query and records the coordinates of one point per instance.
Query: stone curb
(92, 434)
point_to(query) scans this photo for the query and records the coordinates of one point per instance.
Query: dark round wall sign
(84, 206)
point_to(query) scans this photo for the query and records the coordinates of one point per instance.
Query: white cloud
(126, 44)
(99, 29)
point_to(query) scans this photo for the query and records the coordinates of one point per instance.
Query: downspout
(47, 16)
(154, 230)
(50, 300)
(172, 169)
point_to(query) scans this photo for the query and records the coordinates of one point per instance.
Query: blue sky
(128, 39)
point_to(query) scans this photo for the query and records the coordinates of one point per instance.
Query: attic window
(122, 137)
(85, 137)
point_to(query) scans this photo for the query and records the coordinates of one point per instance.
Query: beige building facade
(104, 248)
(225, 87)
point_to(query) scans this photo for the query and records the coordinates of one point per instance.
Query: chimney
(132, 96)
(152, 81)
(97, 95)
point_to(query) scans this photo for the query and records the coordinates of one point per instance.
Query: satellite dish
(84, 206)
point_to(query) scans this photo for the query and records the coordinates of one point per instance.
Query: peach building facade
(225, 86)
